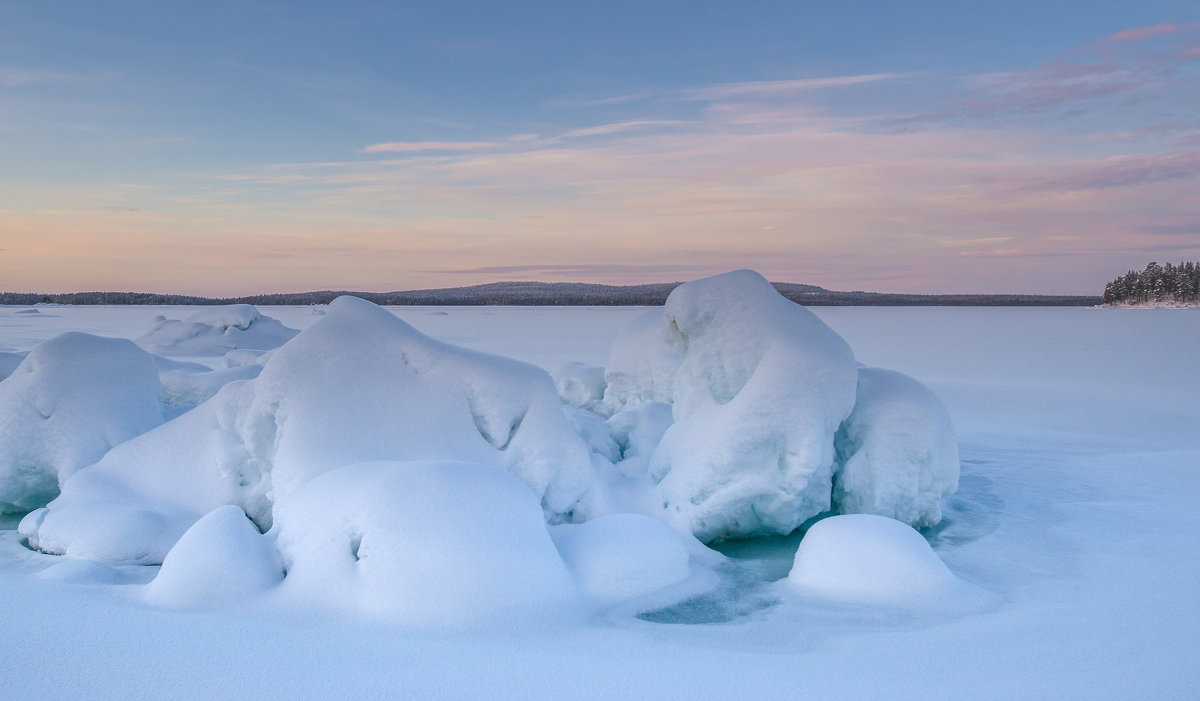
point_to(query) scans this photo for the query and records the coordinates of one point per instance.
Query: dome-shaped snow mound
(424, 543)
(897, 451)
(358, 385)
(876, 561)
(214, 331)
(761, 389)
(70, 400)
(222, 558)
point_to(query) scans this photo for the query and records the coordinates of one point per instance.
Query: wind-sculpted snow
(761, 389)
(896, 452)
(359, 385)
(70, 400)
(214, 331)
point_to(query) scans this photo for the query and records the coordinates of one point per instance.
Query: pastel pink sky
(1051, 178)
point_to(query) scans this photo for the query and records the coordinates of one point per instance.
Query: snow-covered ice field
(1074, 532)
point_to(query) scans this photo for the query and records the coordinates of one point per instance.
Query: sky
(232, 148)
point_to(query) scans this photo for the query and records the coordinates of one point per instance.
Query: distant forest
(1157, 283)
(555, 294)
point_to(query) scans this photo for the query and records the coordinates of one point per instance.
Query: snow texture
(897, 453)
(9, 363)
(581, 386)
(214, 331)
(70, 400)
(877, 561)
(641, 365)
(761, 389)
(427, 544)
(358, 385)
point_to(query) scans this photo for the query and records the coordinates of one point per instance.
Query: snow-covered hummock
(641, 365)
(359, 385)
(214, 331)
(429, 544)
(762, 387)
(897, 453)
(877, 561)
(581, 386)
(73, 398)
(220, 560)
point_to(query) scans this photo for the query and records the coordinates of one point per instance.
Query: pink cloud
(1140, 33)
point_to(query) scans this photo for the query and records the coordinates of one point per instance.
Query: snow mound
(214, 331)
(359, 385)
(581, 386)
(185, 387)
(622, 556)
(897, 451)
(428, 544)
(72, 398)
(760, 392)
(641, 365)
(221, 559)
(637, 433)
(877, 561)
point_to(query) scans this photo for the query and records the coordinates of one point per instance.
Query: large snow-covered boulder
(641, 365)
(214, 331)
(359, 385)
(897, 453)
(70, 400)
(761, 389)
(429, 544)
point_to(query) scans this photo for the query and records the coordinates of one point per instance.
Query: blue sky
(230, 148)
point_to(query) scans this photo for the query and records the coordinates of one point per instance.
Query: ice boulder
(72, 398)
(220, 560)
(622, 556)
(428, 544)
(897, 453)
(641, 365)
(762, 387)
(358, 385)
(877, 561)
(214, 331)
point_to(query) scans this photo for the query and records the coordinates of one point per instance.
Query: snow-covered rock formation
(761, 389)
(896, 453)
(359, 385)
(214, 331)
(70, 400)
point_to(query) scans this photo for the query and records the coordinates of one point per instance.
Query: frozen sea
(1079, 432)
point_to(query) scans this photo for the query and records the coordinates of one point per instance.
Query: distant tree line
(1157, 283)
(552, 294)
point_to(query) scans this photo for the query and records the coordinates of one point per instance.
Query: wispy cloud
(588, 269)
(618, 127)
(421, 146)
(776, 88)
(1126, 171)
(1142, 33)
(11, 77)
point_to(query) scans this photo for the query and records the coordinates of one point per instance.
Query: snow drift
(359, 385)
(70, 400)
(214, 331)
